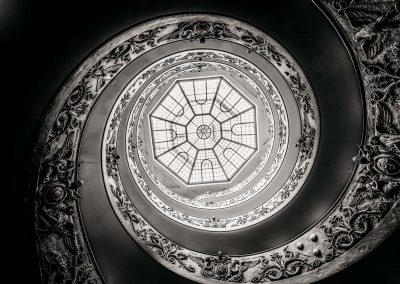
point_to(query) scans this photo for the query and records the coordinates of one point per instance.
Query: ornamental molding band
(194, 221)
(205, 125)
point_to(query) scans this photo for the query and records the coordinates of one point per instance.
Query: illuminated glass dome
(204, 130)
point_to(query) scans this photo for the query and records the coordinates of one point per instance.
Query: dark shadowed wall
(43, 42)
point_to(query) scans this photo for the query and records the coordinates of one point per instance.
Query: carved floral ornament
(373, 33)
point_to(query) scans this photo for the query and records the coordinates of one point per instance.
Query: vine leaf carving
(373, 21)
(384, 121)
(280, 266)
(349, 228)
(202, 30)
(104, 75)
(223, 267)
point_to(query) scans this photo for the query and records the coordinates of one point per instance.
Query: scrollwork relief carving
(284, 265)
(223, 267)
(63, 253)
(202, 30)
(372, 29)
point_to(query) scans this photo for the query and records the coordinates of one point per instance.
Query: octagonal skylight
(204, 130)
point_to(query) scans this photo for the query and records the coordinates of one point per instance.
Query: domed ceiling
(219, 154)
(208, 137)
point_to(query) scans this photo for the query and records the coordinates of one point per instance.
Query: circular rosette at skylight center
(204, 130)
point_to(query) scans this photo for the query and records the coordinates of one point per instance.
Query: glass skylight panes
(204, 130)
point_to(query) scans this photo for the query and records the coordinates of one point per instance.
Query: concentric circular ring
(162, 209)
(210, 222)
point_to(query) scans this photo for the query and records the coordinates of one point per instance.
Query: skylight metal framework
(204, 130)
